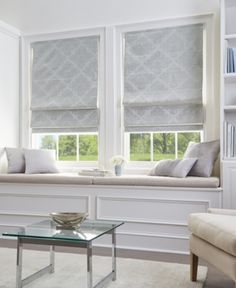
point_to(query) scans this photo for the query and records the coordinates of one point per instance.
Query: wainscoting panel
(145, 242)
(155, 217)
(148, 210)
(155, 229)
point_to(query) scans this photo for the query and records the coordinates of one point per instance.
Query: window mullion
(57, 147)
(176, 145)
(77, 150)
(151, 143)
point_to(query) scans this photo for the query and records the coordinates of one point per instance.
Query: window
(157, 146)
(69, 147)
(140, 90)
(162, 91)
(64, 98)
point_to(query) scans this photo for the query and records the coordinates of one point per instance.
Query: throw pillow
(15, 159)
(173, 168)
(206, 153)
(40, 161)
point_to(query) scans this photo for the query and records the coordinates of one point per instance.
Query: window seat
(155, 209)
(127, 180)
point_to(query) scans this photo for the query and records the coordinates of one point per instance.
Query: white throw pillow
(15, 159)
(173, 168)
(40, 161)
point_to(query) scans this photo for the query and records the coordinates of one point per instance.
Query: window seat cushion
(58, 178)
(161, 181)
(125, 180)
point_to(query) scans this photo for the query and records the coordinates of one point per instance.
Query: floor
(215, 279)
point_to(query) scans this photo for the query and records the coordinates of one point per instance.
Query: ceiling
(33, 16)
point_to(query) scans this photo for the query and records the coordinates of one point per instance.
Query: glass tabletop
(48, 229)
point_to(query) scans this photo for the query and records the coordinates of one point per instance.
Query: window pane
(184, 138)
(88, 148)
(140, 147)
(68, 147)
(163, 146)
(46, 141)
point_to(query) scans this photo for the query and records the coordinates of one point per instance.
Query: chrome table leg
(52, 258)
(114, 255)
(19, 264)
(89, 266)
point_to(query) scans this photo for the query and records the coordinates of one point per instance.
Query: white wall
(9, 86)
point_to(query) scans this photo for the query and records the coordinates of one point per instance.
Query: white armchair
(213, 238)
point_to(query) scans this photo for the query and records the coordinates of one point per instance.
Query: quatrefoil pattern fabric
(65, 84)
(163, 78)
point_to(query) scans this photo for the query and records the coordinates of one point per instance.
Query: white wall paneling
(155, 217)
(229, 183)
(145, 210)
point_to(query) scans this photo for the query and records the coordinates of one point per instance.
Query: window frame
(67, 163)
(111, 132)
(25, 130)
(210, 118)
(148, 163)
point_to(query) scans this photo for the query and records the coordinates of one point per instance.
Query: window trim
(111, 134)
(209, 103)
(25, 130)
(149, 164)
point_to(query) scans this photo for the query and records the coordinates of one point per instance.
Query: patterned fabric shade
(65, 85)
(163, 71)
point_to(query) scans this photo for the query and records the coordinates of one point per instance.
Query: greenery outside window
(155, 146)
(69, 147)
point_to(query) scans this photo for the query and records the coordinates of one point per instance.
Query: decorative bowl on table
(69, 219)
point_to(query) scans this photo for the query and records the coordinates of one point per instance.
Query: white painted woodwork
(228, 100)
(155, 217)
(229, 184)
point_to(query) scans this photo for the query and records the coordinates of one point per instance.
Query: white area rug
(70, 271)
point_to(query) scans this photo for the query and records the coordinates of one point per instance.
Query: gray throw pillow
(16, 160)
(206, 153)
(173, 168)
(40, 161)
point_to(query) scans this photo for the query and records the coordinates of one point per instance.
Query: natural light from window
(157, 146)
(69, 147)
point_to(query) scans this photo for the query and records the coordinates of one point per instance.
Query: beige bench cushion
(143, 180)
(127, 180)
(219, 230)
(58, 178)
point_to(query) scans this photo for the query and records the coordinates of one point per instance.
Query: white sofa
(155, 209)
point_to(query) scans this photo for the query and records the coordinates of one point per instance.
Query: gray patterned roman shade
(163, 72)
(65, 85)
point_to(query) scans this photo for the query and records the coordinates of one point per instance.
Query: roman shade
(163, 72)
(65, 85)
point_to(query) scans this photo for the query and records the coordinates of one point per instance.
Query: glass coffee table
(48, 233)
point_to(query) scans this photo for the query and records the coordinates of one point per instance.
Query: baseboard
(103, 251)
